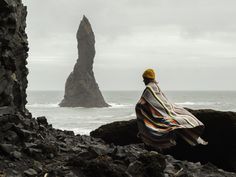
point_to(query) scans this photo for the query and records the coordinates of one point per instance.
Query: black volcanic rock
(32, 147)
(13, 54)
(120, 132)
(81, 89)
(220, 132)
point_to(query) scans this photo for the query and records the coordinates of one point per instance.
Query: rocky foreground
(220, 133)
(31, 147)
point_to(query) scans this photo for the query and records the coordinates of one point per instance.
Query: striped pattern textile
(160, 121)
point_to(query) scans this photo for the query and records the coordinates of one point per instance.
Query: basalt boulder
(81, 88)
(220, 132)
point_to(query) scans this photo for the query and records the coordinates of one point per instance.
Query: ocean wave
(197, 103)
(129, 116)
(81, 131)
(54, 105)
(40, 105)
(117, 105)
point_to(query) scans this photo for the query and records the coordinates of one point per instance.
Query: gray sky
(190, 43)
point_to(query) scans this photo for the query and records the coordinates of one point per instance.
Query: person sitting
(160, 121)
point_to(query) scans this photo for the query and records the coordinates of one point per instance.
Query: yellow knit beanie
(149, 73)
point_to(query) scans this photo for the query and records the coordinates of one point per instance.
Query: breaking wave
(197, 103)
(40, 105)
(117, 105)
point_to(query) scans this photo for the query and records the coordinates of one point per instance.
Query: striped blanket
(160, 121)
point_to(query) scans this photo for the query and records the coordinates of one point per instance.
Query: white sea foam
(197, 103)
(133, 115)
(81, 131)
(108, 116)
(53, 105)
(117, 105)
(40, 105)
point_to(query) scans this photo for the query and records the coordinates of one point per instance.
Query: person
(160, 122)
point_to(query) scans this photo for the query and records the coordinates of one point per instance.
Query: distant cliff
(13, 54)
(81, 89)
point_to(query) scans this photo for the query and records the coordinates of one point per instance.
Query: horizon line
(142, 90)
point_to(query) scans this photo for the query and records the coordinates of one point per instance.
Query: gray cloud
(188, 39)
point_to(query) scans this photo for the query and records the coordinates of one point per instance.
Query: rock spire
(81, 89)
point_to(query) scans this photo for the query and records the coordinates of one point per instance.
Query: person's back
(160, 121)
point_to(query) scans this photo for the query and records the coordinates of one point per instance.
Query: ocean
(83, 120)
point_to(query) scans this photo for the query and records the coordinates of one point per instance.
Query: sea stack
(81, 89)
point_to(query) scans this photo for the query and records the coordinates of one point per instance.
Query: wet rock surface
(13, 54)
(81, 89)
(119, 133)
(220, 132)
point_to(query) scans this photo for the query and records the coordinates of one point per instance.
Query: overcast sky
(190, 43)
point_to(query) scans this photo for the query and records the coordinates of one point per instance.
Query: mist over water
(83, 120)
